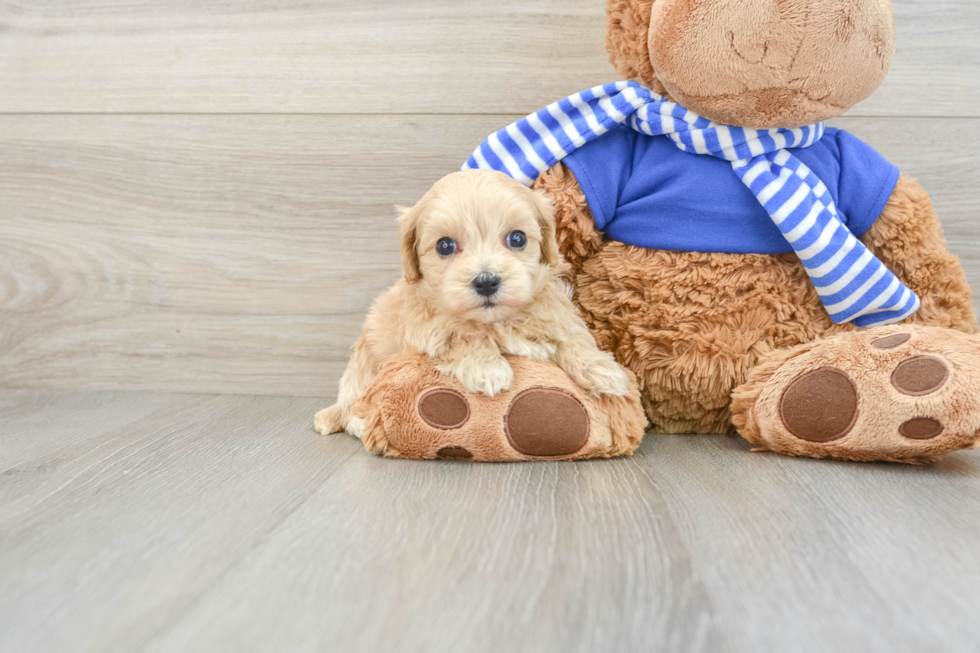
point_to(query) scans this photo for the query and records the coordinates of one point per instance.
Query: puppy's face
(480, 245)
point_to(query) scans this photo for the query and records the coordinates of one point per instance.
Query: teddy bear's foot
(539, 422)
(413, 411)
(899, 393)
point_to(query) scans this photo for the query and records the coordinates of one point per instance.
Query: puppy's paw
(539, 351)
(328, 421)
(603, 376)
(491, 377)
(356, 427)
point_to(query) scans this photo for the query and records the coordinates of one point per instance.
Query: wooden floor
(153, 522)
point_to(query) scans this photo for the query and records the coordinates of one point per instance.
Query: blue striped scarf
(853, 284)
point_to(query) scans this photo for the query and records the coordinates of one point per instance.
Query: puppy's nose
(486, 284)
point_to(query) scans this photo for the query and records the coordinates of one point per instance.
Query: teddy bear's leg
(413, 411)
(898, 393)
(908, 238)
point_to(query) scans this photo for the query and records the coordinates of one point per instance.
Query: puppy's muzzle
(486, 284)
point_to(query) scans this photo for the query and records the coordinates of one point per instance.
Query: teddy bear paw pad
(921, 428)
(920, 376)
(443, 408)
(546, 422)
(911, 395)
(891, 342)
(454, 453)
(820, 406)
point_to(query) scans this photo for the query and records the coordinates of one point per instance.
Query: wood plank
(936, 52)
(203, 244)
(231, 526)
(806, 555)
(270, 56)
(547, 557)
(427, 556)
(378, 56)
(107, 540)
(34, 424)
(238, 254)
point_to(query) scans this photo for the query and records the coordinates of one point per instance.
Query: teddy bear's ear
(545, 214)
(408, 222)
(627, 35)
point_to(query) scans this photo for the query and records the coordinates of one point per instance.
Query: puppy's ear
(546, 219)
(408, 223)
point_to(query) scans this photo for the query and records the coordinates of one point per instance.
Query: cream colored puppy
(480, 280)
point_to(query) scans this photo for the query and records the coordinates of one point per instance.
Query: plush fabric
(694, 325)
(907, 399)
(766, 63)
(414, 411)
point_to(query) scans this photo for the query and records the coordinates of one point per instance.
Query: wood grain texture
(826, 556)
(38, 423)
(198, 255)
(109, 537)
(239, 254)
(937, 54)
(417, 557)
(270, 56)
(231, 526)
(378, 56)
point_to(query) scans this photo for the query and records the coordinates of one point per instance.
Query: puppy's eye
(516, 240)
(446, 247)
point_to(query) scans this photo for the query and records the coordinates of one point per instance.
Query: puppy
(480, 280)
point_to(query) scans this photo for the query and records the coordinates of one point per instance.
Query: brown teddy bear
(718, 319)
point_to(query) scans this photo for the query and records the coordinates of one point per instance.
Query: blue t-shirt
(644, 191)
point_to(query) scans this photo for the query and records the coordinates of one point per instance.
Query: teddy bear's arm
(908, 238)
(578, 238)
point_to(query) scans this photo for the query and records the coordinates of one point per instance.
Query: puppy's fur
(436, 310)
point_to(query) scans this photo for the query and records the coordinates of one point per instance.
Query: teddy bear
(679, 268)
(725, 340)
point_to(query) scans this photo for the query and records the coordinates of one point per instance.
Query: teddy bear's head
(755, 63)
